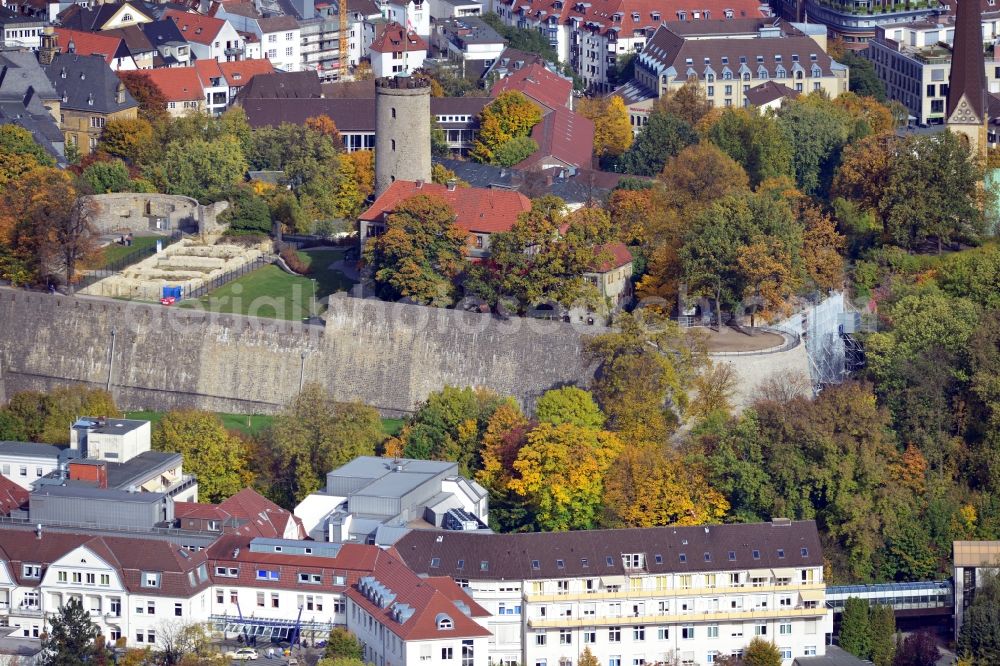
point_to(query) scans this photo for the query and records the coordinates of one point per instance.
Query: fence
(118, 265)
(229, 276)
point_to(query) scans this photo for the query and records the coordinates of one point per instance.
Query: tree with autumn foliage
(651, 485)
(646, 367)
(560, 473)
(630, 211)
(420, 253)
(755, 140)
(687, 103)
(508, 117)
(129, 139)
(152, 102)
(767, 273)
(612, 130)
(324, 125)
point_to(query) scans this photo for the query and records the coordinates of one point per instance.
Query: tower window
(394, 112)
(393, 144)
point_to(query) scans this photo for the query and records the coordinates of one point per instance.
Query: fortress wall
(386, 355)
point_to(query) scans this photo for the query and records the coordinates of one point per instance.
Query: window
(663, 633)
(288, 36)
(90, 578)
(610, 561)
(560, 564)
(809, 651)
(683, 558)
(535, 564)
(615, 635)
(314, 578)
(435, 561)
(444, 622)
(687, 633)
(638, 633)
(274, 600)
(151, 607)
(589, 636)
(633, 561)
(786, 653)
(685, 582)
(540, 638)
(219, 596)
(289, 51)
(760, 630)
(24, 470)
(781, 553)
(150, 579)
(446, 653)
(393, 144)
(62, 578)
(272, 38)
(713, 631)
(565, 637)
(804, 552)
(272, 53)
(785, 629)
(732, 556)
(708, 557)
(178, 610)
(483, 565)
(38, 470)
(755, 554)
(267, 574)
(77, 577)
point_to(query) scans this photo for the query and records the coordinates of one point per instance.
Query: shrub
(293, 261)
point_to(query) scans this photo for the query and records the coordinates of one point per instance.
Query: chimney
(451, 184)
(420, 184)
(38, 531)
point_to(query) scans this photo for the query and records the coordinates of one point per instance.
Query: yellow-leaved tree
(507, 118)
(612, 130)
(560, 472)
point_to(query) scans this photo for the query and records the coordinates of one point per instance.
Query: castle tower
(967, 86)
(402, 131)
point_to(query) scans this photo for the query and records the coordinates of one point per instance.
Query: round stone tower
(402, 131)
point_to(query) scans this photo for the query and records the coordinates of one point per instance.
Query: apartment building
(913, 60)
(591, 36)
(727, 68)
(637, 596)
(24, 463)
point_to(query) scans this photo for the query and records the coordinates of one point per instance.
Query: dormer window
(127, 17)
(444, 622)
(681, 16)
(729, 13)
(635, 16)
(656, 16)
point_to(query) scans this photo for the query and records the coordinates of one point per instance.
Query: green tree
(514, 151)
(342, 644)
(15, 140)
(200, 168)
(217, 457)
(314, 435)
(761, 652)
(510, 116)
(247, 211)
(104, 177)
(918, 649)
(420, 253)
(560, 473)
(72, 637)
(569, 404)
(883, 635)
(41, 417)
(756, 141)
(855, 628)
(818, 131)
(864, 79)
(663, 137)
(980, 634)
(129, 139)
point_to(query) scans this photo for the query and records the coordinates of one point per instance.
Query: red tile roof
(393, 38)
(179, 84)
(476, 209)
(612, 256)
(565, 136)
(195, 27)
(89, 43)
(538, 83)
(265, 518)
(207, 70)
(422, 595)
(12, 496)
(634, 15)
(238, 74)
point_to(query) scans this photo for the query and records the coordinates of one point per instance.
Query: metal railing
(118, 265)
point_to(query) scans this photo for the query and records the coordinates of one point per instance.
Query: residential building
(857, 21)
(281, 42)
(550, 90)
(468, 40)
(414, 15)
(184, 91)
(633, 596)
(592, 36)
(118, 440)
(913, 60)
(351, 105)
(376, 499)
(26, 462)
(111, 48)
(612, 276)
(19, 31)
(769, 96)
(91, 95)
(106, 16)
(221, 81)
(447, 9)
(13, 496)
(397, 52)
(479, 212)
(247, 513)
(727, 68)
(972, 562)
(208, 37)
(139, 47)
(172, 50)
(510, 60)
(29, 100)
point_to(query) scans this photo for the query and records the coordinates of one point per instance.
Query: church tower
(967, 86)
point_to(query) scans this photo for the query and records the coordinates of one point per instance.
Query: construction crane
(342, 12)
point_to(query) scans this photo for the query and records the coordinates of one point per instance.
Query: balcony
(27, 611)
(234, 51)
(720, 590)
(674, 617)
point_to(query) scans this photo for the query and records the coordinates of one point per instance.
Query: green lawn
(270, 292)
(114, 252)
(251, 424)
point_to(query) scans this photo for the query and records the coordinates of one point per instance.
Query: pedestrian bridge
(934, 597)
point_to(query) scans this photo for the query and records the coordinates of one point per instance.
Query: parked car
(168, 300)
(243, 654)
